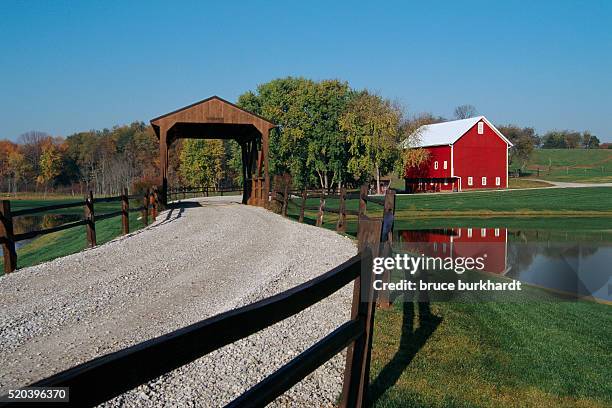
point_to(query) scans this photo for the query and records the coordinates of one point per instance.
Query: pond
(29, 223)
(572, 262)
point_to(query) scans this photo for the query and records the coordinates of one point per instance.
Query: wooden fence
(105, 377)
(176, 193)
(8, 238)
(283, 196)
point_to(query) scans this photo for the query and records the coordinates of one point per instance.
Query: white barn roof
(447, 133)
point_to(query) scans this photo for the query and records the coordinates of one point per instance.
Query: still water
(561, 261)
(29, 223)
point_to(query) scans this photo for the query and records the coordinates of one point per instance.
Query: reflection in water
(579, 269)
(29, 223)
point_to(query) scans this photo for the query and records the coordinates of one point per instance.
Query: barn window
(446, 182)
(480, 128)
(436, 165)
(470, 181)
(445, 164)
(483, 232)
(469, 233)
(484, 181)
(497, 232)
(497, 181)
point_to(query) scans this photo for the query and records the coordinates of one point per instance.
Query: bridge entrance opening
(216, 118)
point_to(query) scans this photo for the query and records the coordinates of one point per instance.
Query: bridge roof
(214, 112)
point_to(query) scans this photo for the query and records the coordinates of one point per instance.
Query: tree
(50, 165)
(465, 111)
(18, 167)
(524, 140)
(562, 139)
(589, 141)
(308, 143)
(286, 102)
(372, 125)
(201, 162)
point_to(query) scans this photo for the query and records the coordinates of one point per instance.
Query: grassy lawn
(589, 202)
(580, 165)
(517, 354)
(526, 183)
(532, 354)
(581, 201)
(62, 243)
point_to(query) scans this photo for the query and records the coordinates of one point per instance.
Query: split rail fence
(8, 237)
(108, 376)
(177, 193)
(284, 196)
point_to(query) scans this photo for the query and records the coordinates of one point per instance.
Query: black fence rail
(108, 376)
(8, 237)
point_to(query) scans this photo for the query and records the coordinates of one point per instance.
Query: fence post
(145, 209)
(91, 220)
(387, 240)
(363, 204)
(321, 212)
(8, 237)
(357, 368)
(286, 182)
(153, 202)
(341, 225)
(304, 196)
(125, 212)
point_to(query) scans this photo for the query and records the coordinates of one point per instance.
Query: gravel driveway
(194, 262)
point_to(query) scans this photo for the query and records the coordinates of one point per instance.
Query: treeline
(103, 161)
(329, 135)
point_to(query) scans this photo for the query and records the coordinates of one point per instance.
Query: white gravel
(191, 264)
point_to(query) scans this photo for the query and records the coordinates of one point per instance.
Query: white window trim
(481, 128)
(470, 181)
(435, 165)
(484, 181)
(469, 233)
(497, 232)
(498, 181)
(445, 164)
(483, 232)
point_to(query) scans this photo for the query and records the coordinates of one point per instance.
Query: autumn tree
(372, 125)
(50, 165)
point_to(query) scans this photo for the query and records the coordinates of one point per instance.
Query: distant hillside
(582, 165)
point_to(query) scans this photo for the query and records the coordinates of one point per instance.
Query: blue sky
(70, 66)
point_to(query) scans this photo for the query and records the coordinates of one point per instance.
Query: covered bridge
(216, 118)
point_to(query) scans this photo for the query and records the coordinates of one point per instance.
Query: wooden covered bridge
(216, 118)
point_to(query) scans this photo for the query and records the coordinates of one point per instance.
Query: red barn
(463, 154)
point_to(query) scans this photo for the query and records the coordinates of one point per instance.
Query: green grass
(62, 243)
(520, 354)
(590, 199)
(531, 354)
(526, 183)
(580, 165)
(585, 206)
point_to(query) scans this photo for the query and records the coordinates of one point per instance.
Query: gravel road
(194, 262)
